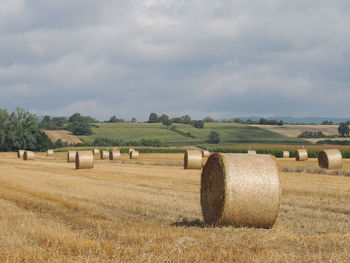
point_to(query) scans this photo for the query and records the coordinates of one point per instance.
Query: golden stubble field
(124, 212)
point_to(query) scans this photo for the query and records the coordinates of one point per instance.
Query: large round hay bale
(20, 153)
(285, 154)
(49, 152)
(251, 152)
(330, 159)
(71, 156)
(134, 154)
(104, 155)
(301, 155)
(28, 155)
(131, 149)
(84, 160)
(205, 153)
(240, 190)
(96, 151)
(114, 155)
(193, 159)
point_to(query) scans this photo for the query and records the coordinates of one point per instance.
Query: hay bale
(96, 151)
(20, 153)
(28, 155)
(330, 159)
(104, 155)
(84, 160)
(205, 153)
(134, 154)
(131, 149)
(240, 190)
(49, 152)
(251, 152)
(285, 154)
(71, 156)
(114, 155)
(193, 159)
(301, 155)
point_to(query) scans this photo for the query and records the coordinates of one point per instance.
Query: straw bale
(193, 159)
(114, 155)
(251, 152)
(104, 155)
(49, 152)
(330, 159)
(28, 155)
(240, 190)
(20, 153)
(285, 154)
(134, 154)
(84, 160)
(301, 155)
(71, 156)
(205, 153)
(96, 151)
(131, 149)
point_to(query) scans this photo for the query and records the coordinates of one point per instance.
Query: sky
(223, 58)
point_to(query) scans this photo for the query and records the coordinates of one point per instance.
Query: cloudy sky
(223, 58)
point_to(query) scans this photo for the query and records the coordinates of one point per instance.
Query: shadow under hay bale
(285, 154)
(134, 154)
(20, 153)
(240, 190)
(28, 155)
(71, 156)
(84, 160)
(301, 155)
(193, 159)
(114, 155)
(330, 159)
(104, 155)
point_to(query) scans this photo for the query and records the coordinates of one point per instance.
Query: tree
(198, 124)
(3, 123)
(327, 123)
(343, 129)
(133, 119)
(208, 119)
(214, 137)
(79, 128)
(186, 119)
(113, 119)
(153, 118)
(163, 118)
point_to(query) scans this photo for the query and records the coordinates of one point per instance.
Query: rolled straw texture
(134, 154)
(96, 151)
(240, 190)
(301, 155)
(28, 155)
(49, 152)
(285, 154)
(84, 160)
(131, 149)
(330, 159)
(104, 155)
(193, 159)
(71, 156)
(114, 155)
(205, 153)
(20, 153)
(251, 152)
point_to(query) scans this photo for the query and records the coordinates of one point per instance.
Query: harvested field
(125, 212)
(65, 136)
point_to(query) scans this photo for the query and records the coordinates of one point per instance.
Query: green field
(229, 133)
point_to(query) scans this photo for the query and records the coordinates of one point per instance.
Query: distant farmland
(64, 135)
(187, 134)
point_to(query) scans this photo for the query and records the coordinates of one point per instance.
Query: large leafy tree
(343, 129)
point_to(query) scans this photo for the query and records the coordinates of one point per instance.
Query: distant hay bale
(301, 155)
(20, 153)
(49, 152)
(84, 160)
(134, 154)
(193, 159)
(285, 154)
(205, 153)
(28, 155)
(330, 159)
(251, 152)
(71, 156)
(114, 155)
(240, 190)
(104, 155)
(96, 151)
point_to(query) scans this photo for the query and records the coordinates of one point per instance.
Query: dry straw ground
(124, 212)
